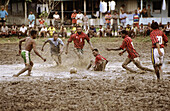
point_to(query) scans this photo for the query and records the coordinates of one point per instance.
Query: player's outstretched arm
(109, 49)
(67, 47)
(91, 46)
(121, 53)
(36, 52)
(20, 44)
(42, 49)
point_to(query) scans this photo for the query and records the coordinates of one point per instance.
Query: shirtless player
(29, 45)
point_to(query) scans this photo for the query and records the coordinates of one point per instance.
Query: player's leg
(30, 68)
(59, 59)
(124, 65)
(138, 64)
(104, 65)
(55, 58)
(89, 66)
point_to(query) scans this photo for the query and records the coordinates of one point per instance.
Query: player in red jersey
(100, 61)
(159, 40)
(79, 42)
(133, 55)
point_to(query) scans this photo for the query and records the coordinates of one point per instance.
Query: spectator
(73, 30)
(122, 8)
(148, 29)
(144, 12)
(43, 32)
(22, 31)
(56, 17)
(41, 22)
(92, 32)
(85, 21)
(5, 30)
(120, 30)
(31, 19)
(108, 17)
(136, 18)
(149, 11)
(63, 32)
(134, 31)
(167, 28)
(108, 31)
(115, 17)
(79, 18)
(161, 27)
(73, 17)
(128, 30)
(141, 29)
(123, 18)
(3, 15)
(139, 11)
(87, 30)
(101, 31)
(51, 30)
(14, 29)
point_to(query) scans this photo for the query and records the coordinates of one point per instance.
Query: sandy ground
(53, 88)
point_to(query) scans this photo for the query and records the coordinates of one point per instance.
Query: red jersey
(73, 16)
(128, 45)
(157, 36)
(79, 40)
(41, 21)
(99, 58)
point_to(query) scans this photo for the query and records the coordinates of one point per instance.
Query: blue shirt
(55, 45)
(31, 17)
(3, 13)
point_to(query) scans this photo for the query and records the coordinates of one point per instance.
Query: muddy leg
(59, 59)
(23, 70)
(55, 58)
(91, 63)
(124, 65)
(30, 68)
(157, 72)
(138, 64)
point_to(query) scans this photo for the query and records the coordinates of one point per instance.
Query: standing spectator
(56, 17)
(139, 10)
(144, 12)
(123, 18)
(22, 31)
(51, 30)
(122, 8)
(43, 32)
(14, 29)
(4, 30)
(85, 21)
(41, 21)
(3, 15)
(79, 18)
(149, 11)
(31, 19)
(73, 17)
(136, 18)
(115, 17)
(108, 17)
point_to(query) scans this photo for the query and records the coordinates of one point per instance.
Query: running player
(29, 45)
(79, 42)
(133, 55)
(56, 51)
(159, 40)
(100, 61)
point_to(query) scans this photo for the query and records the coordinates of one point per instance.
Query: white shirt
(56, 16)
(43, 29)
(23, 29)
(4, 29)
(80, 16)
(112, 5)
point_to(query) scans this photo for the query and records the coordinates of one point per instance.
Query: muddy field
(53, 88)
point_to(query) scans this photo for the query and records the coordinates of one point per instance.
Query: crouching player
(100, 61)
(133, 55)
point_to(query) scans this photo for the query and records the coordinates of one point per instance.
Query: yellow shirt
(51, 30)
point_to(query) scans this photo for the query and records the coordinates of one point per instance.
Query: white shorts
(31, 25)
(156, 58)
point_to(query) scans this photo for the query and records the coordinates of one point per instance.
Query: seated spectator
(120, 30)
(43, 31)
(141, 29)
(87, 30)
(92, 32)
(167, 28)
(73, 30)
(22, 31)
(108, 31)
(14, 29)
(41, 22)
(134, 31)
(100, 33)
(51, 30)
(161, 27)
(5, 30)
(148, 29)
(128, 30)
(63, 32)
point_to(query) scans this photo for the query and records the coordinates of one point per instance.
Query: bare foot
(27, 75)
(15, 75)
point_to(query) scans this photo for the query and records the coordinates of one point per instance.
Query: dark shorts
(2, 20)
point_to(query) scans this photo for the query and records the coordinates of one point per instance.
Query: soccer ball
(73, 70)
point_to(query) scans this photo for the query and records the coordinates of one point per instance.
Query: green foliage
(28, 0)
(43, 14)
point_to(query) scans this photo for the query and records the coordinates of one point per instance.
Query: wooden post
(141, 6)
(62, 12)
(84, 6)
(25, 12)
(100, 15)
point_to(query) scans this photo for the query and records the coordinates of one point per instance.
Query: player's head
(55, 36)
(2, 8)
(34, 34)
(123, 33)
(95, 52)
(79, 30)
(154, 25)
